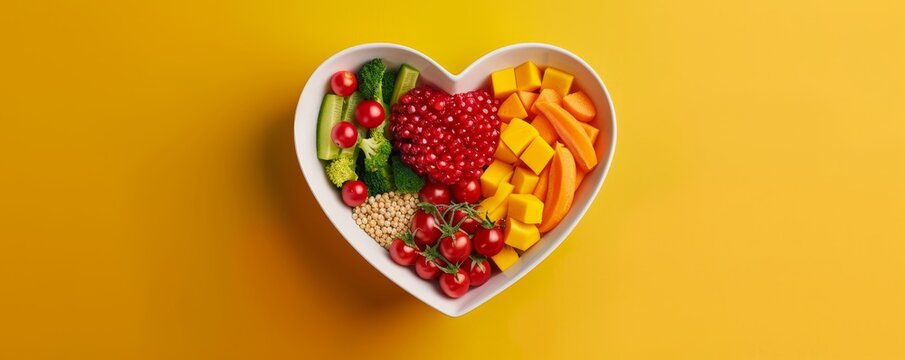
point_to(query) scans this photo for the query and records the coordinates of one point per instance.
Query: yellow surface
(152, 206)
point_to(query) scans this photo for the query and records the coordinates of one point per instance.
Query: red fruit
(369, 114)
(467, 191)
(437, 194)
(464, 221)
(488, 241)
(456, 247)
(403, 251)
(427, 269)
(354, 193)
(478, 271)
(343, 83)
(455, 285)
(344, 134)
(446, 137)
(425, 229)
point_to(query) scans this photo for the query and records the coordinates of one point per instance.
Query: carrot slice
(591, 131)
(560, 189)
(546, 95)
(545, 128)
(571, 133)
(580, 105)
(543, 179)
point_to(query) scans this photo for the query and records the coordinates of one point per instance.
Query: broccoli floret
(407, 181)
(342, 169)
(377, 150)
(378, 182)
(370, 79)
(389, 82)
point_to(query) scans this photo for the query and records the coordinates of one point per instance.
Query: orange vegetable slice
(512, 108)
(560, 189)
(546, 95)
(580, 105)
(540, 190)
(571, 133)
(545, 129)
(527, 98)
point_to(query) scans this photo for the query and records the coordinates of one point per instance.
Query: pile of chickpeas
(385, 216)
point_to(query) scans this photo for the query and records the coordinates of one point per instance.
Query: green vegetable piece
(407, 181)
(341, 170)
(330, 114)
(370, 79)
(349, 115)
(406, 79)
(389, 82)
(378, 182)
(377, 150)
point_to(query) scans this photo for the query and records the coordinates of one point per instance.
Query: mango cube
(537, 155)
(524, 180)
(518, 135)
(501, 211)
(520, 235)
(493, 175)
(503, 126)
(525, 208)
(527, 76)
(504, 154)
(512, 108)
(491, 203)
(505, 258)
(503, 82)
(557, 80)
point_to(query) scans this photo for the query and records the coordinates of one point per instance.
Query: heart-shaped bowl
(476, 76)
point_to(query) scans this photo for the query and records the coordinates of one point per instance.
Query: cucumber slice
(405, 81)
(330, 114)
(349, 115)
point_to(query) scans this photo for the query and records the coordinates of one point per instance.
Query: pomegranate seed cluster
(446, 137)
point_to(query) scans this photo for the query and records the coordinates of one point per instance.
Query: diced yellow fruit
(520, 235)
(512, 108)
(527, 76)
(558, 80)
(537, 155)
(504, 154)
(518, 135)
(524, 180)
(503, 82)
(505, 258)
(526, 208)
(493, 175)
(503, 126)
(493, 202)
(500, 212)
(528, 98)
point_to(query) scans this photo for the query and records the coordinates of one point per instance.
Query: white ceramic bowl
(475, 76)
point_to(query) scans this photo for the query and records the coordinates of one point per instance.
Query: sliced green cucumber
(405, 81)
(330, 114)
(349, 115)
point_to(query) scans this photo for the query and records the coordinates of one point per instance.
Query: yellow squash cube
(504, 154)
(525, 208)
(503, 82)
(518, 135)
(505, 258)
(520, 235)
(493, 202)
(537, 155)
(557, 80)
(524, 180)
(527, 76)
(493, 175)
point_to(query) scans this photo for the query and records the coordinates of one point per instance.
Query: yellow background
(152, 206)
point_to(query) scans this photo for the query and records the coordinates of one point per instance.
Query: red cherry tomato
(488, 242)
(425, 229)
(344, 134)
(427, 269)
(437, 194)
(343, 83)
(370, 114)
(354, 192)
(402, 254)
(456, 247)
(455, 285)
(467, 191)
(478, 272)
(465, 222)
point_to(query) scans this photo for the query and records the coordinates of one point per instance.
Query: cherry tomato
(343, 83)
(455, 285)
(488, 242)
(354, 192)
(402, 254)
(467, 191)
(369, 114)
(456, 247)
(427, 269)
(344, 134)
(478, 272)
(465, 222)
(425, 228)
(437, 194)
